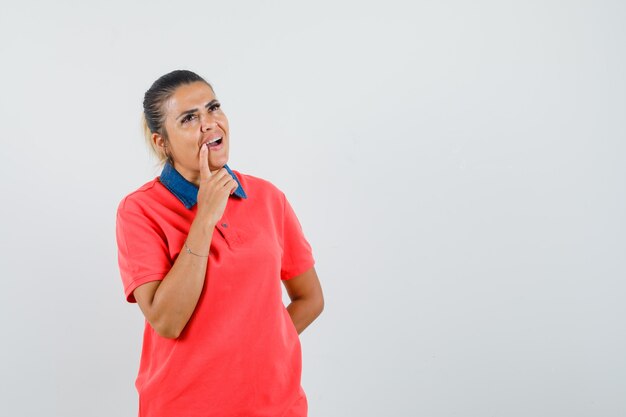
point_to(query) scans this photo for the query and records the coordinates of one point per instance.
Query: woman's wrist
(199, 236)
(204, 222)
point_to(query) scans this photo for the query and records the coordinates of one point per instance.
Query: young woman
(203, 250)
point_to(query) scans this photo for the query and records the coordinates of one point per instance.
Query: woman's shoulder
(141, 195)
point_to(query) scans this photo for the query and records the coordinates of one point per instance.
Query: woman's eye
(214, 107)
(188, 118)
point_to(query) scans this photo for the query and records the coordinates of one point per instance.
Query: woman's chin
(217, 164)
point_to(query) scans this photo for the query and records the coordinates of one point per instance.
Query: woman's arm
(307, 300)
(169, 304)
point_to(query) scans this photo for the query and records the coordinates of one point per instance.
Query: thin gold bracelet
(191, 253)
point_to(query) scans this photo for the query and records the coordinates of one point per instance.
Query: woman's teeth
(215, 142)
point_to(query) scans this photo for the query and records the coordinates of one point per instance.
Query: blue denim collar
(186, 191)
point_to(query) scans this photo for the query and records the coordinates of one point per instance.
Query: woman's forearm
(177, 295)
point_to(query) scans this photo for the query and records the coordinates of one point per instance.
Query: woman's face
(193, 117)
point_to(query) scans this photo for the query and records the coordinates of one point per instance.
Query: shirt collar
(186, 191)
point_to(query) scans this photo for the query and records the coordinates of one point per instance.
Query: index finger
(203, 162)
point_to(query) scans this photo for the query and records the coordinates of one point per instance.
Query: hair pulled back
(154, 101)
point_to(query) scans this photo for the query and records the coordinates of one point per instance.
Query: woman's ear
(160, 143)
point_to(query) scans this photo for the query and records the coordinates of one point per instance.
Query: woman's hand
(215, 188)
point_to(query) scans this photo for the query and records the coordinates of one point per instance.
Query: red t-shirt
(239, 354)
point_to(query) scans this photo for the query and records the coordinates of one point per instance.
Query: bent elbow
(319, 307)
(168, 334)
(166, 330)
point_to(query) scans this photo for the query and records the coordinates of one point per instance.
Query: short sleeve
(143, 254)
(297, 253)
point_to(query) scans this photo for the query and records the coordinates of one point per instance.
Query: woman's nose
(208, 123)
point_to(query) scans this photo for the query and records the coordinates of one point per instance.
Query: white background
(458, 168)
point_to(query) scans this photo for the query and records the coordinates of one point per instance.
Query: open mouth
(215, 142)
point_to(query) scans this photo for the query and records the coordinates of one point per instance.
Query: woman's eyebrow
(186, 112)
(210, 103)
